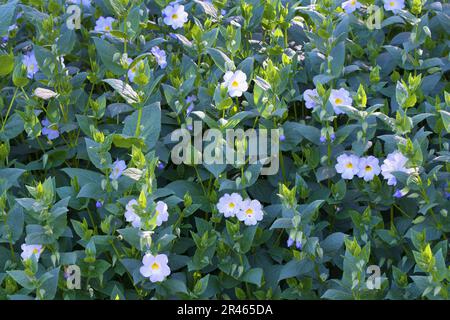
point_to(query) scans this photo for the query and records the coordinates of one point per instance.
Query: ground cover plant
(93, 204)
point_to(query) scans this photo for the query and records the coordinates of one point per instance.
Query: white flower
(130, 214)
(175, 16)
(161, 57)
(104, 24)
(347, 165)
(155, 267)
(229, 205)
(351, 5)
(395, 161)
(28, 250)
(29, 60)
(310, 97)
(368, 168)
(236, 83)
(161, 213)
(338, 98)
(393, 5)
(250, 212)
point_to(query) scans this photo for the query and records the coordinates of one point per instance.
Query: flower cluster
(246, 210)
(349, 165)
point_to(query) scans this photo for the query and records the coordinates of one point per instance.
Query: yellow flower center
(353, 2)
(174, 16)
(107, 28)
(368, 168)
(155, 266)
(231, 205)
(35, 251)
(349, 165)
(338, 101)
(234, 84)
(249, 211)
(392, 3)
(157, 213)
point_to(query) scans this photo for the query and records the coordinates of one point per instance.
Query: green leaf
(253, 276)
(295, 268)
(106, 53)
(124, 89)
(6, 64)
(221, 59)
(150, 124)
(7, 11)
(445, 115)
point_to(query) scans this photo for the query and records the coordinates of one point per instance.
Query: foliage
(86, 172)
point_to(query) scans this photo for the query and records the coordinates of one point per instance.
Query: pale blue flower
(104, 24)
(30, 62)
(190, 103)
(118, 168)
(395, 161)
(160, 56)
(175, 16)
(155, 267)
(339, 98)
(311, 97)
(49, 130)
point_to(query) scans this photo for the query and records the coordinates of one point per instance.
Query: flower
(289, 242)
(250, 212)
(395, 161)
(190, 103)
(351, 5)
(298, 244)
(49, 130)
(338, 98)
(29, 60)
(229, 205)
(347, 165)
(175, 16)
(236, 83)
(117, 169)
(130, 214)
(368, 168)
(332, 137)
(98, 204)
(160, 56)
(323, 139)
(310, 97)
(155, 267)
(104, 24)
(394, 5)
(28, 250)
(398, 194)
(161, 213)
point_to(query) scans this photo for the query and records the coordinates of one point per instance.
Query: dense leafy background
(57, 193)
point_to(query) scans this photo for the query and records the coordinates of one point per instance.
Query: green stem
(9, 108)
(138, 124)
